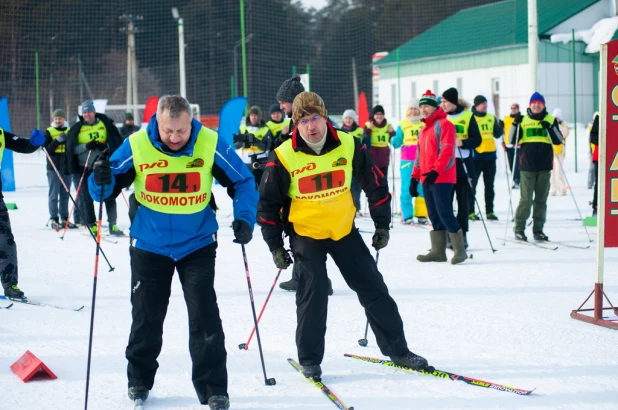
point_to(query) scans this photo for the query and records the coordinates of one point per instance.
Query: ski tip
(79, 309)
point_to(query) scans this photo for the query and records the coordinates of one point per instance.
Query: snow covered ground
(502, 317)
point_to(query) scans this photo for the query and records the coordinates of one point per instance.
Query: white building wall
(586, 18)
(555, 79)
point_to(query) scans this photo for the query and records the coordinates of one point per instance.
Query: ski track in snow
(500, 317)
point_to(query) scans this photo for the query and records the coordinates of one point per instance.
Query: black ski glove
(545, 125)
(380, 238)
(518, 119)
(242, 232)
(414, 188)
(430, 177)
(102, 170)
(282, 258)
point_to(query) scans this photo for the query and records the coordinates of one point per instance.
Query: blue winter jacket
(177, 235)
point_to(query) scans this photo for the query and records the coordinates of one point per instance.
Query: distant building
(484, 50)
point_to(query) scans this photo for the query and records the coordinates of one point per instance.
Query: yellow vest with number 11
(173, 185)
(486, 127)
(322, 205)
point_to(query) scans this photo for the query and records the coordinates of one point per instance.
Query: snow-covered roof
(602, 32)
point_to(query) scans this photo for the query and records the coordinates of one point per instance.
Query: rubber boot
(457, 239)
(438, 248)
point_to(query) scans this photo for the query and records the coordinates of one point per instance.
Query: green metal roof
(491, 26)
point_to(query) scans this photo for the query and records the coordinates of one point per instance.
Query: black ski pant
(360, 272)
(151, 280)
(488, 168)
(510, 154)
(8, 249)
(463, 191)
(595, 165)
(86, 205)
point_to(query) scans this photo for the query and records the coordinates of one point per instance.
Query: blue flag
(8, 176)
(229, 118)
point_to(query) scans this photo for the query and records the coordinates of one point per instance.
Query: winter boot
(115, 231)
(449, 244)
(330, 288)
(138, 392)
(411, 360)
(438, 248)
(218, 402)
(312, 371)
(457, 239)
(291, 285)
(13, 292)
(465, 240)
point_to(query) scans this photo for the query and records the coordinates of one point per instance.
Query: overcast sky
(318, 4)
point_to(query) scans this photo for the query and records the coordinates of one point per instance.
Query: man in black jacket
(128, 127)
(87, 139)
(306, 193)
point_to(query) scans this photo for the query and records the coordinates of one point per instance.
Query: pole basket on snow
(607, 214)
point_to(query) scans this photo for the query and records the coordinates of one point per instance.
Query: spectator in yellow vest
(378, 133)
(558, 181)
(509, 147)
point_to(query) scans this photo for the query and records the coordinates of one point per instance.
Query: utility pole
(181, 52)
(533, 45)
(130, 30)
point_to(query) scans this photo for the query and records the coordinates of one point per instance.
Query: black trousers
(463, 191)
(151, 279)
(510, 154)
(488, 168)
(595, 164)
(360, 272)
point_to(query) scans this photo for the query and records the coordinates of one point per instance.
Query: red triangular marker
(363, 110)
(150, 109)
(28, 365)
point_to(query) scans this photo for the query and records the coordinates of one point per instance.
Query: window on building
(435, 87)
(395, 112)
(414, 95)
(460, 85)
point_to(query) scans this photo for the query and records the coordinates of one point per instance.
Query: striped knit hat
(428, 98)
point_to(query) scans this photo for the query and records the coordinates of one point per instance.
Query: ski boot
(63, 222)
(540, 236)
(411, 360)
(55, 224)
(13, 292)
(312, 371)
(474, 217)
(218, 402)
(492, 217)
(422, 220)
(291, 285)
(115, 231)
(521, 236)
(138, 392)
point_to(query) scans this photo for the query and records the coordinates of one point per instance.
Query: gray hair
(174, 104)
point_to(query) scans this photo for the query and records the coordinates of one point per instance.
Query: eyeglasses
(313, 120)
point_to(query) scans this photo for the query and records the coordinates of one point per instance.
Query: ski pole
(573, 196)
(363, 342)
(245, 346)
(79, 186)
(515, 159)
(94, 294)
(111, 268)
(267, 381)
(393, 199)
(125, 199)
(463, 162)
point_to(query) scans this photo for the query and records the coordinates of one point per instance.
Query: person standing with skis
(8, 248)
(378, 134)
(309, 177)
(172, 164)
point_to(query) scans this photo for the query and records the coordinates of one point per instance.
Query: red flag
(150, 109)
(363, 111)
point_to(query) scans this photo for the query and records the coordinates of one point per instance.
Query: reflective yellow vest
(93, 132)
(55, 132)
(461, 123)
(508, 121)
(486, 127)
(259, 134)
(379, 136)
(410, 131)
(173, 185)
(275, 127)
(2, 143)
(533, 131)
(358, 132)
(322, 205)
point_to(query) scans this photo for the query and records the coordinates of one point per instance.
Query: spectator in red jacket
(435, 168)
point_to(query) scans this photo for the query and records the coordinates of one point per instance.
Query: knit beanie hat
(256, 110)
(128, 116)
(479, 99)
(378, 108)
(274, 108)
(451, 95)
(413, 103)
(290, 89)
(537, 97)
(59, 113)
(307, 103)
(350, 114)
(88, 106)
(428, 98)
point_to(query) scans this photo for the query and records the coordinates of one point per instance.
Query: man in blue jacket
(172, 164)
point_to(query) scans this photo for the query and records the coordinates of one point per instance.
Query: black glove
(517, 119)
(242, 232)
(94, 145)
(380, 238)
(545, 125)
(430, 177)
(282, 258)
(102, 170)
(414, 188)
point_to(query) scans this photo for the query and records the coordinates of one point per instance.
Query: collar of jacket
(515, 115)
(379, 124)
(352, 128)
(439, 114)
(478, 114)
(538, 116)
(153, 135)
(332, 141)
(458, 110)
